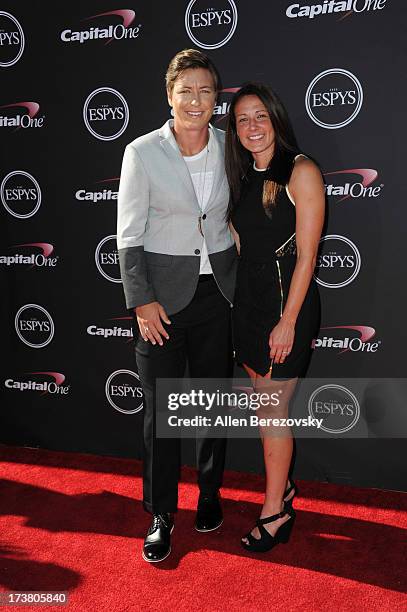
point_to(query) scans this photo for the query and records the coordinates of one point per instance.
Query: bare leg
(277, 447)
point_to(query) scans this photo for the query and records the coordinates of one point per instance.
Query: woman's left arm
(307, 190)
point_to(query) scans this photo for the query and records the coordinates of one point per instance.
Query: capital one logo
(123, 391)
(337, 406)
(115, 331)
(338, 261)
(211, 25)
(34, 325)
(353, 338)
(106, 31)
(107, 259)
(12, 40)
(20, 194)
(339, 6)
(46, 382)
(102, 194)
(34, 254)
(342, 184)
(106, 113)
(21, 115)
(334, 98)
(222, 107)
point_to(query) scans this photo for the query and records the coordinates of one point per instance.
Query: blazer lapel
(175, 157)
(219, 173)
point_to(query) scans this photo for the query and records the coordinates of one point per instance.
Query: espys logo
(105, 113)
(102, 194)
(20, 194)
(334, 98)
(338, 261)
(12, 40)
(41, 382)
(354, 338)
(211, 28)
(34, 255)
(21, 115)
(331, 6)
(337, 406)
(106, 31)
(123, 391)
(350, 188)
(107, 259)
(112, 332)
(34, 326)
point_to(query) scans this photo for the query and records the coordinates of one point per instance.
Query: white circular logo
(337, 406)
(12, 40)
(334, 98)
(20, 194)
(106, 113)
(211, 28)
(122, 394)
(34, 326)
(338, 263)
(107, 259)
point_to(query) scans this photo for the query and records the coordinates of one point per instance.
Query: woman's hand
(149, 319)
(281, 340)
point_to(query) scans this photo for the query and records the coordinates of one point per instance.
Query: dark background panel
(65, 158)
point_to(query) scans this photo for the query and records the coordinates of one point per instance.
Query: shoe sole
(207, 530)
(158, 560)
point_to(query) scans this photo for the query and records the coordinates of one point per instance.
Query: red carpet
(74, 523)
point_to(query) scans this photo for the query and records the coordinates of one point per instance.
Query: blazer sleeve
(132, 214)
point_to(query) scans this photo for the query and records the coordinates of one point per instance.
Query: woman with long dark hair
(276, 214)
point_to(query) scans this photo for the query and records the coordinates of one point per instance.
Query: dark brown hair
(238, 159)
(189, 58)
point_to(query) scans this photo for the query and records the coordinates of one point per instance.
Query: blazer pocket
(158, 259)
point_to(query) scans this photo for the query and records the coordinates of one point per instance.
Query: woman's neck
(191, 142)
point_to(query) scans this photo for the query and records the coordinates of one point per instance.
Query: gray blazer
(158, 238)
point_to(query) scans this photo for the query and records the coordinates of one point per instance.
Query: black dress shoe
(157, 545)
(209, 515)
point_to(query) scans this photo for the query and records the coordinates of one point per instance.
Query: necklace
(202, 191)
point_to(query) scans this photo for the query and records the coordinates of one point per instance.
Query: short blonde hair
(189, 58)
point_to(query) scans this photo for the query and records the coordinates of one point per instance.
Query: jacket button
(197, 251)
(203, 216)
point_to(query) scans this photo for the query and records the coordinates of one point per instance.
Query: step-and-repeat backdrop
(81, 80)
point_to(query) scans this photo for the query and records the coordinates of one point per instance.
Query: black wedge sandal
(266, 541)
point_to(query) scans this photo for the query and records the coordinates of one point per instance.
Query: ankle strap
(270, 519)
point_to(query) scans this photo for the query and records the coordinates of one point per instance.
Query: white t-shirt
(202, 170)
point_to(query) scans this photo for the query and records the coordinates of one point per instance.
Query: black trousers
(200, 336)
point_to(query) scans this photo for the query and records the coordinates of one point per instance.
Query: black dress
(266, 265)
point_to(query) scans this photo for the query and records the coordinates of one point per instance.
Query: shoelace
(158, 520)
